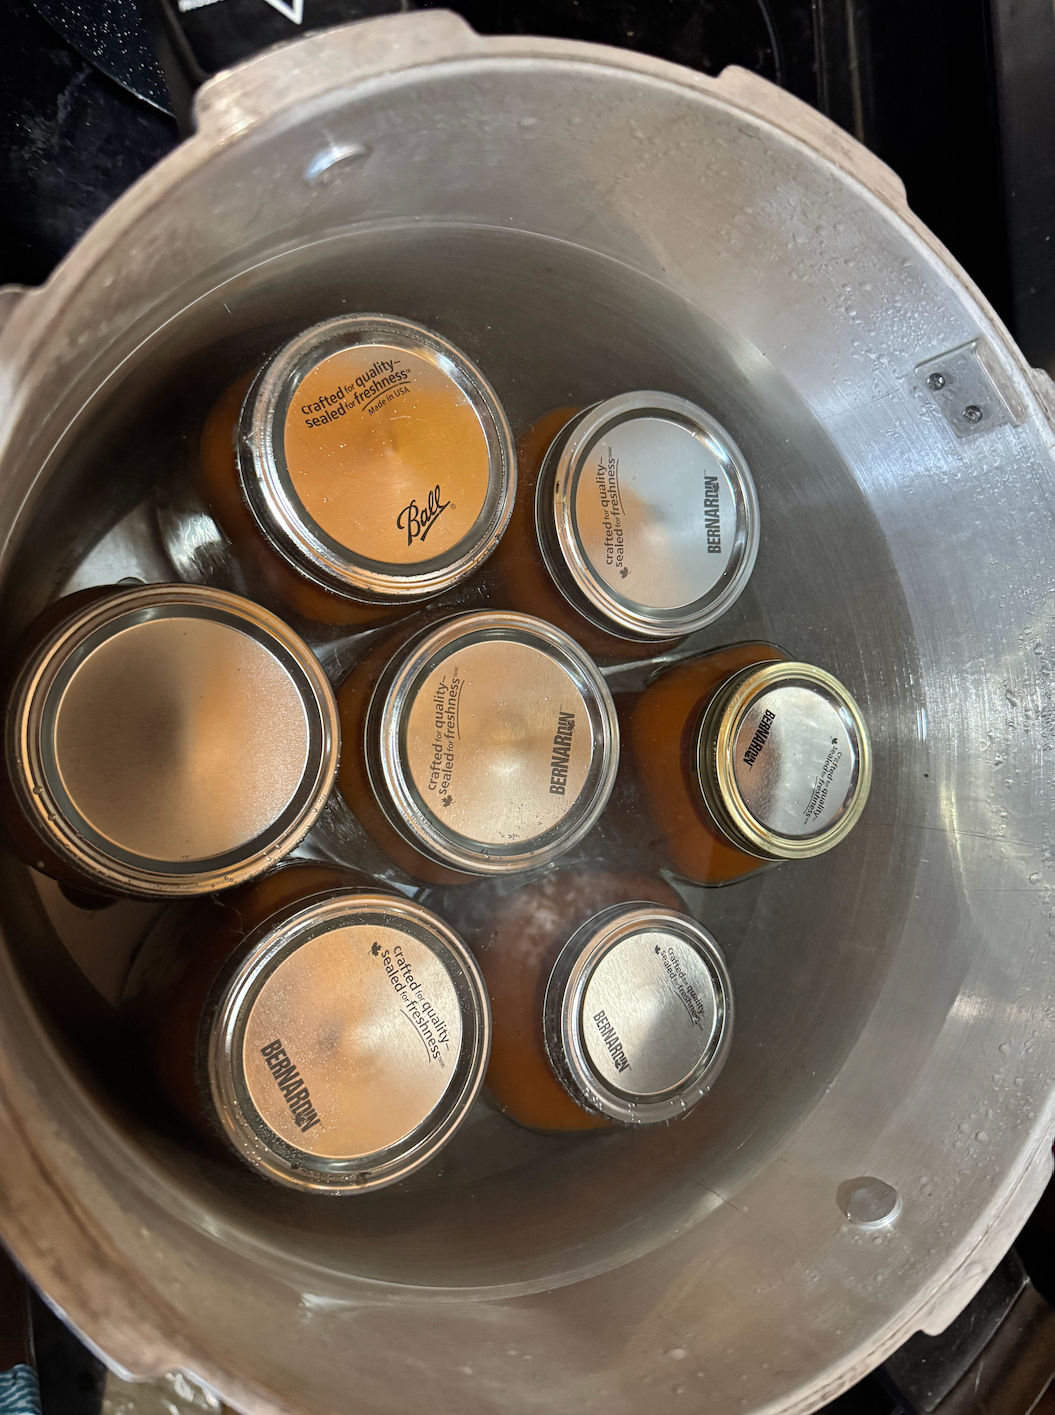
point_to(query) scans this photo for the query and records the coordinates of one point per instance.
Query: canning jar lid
(349, 1044)
(647, 516)
(171, 740)
(638, 1013)
(377, 459)
(492, 742)
(784, 760)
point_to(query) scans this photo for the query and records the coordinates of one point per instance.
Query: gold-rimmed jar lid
(377, 459)
(171, 740)
(349, 1044)
(492, 742)
(638, 1013)
(784, 762)
(647, 516)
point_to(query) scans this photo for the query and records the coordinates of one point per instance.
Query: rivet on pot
(869, 1202)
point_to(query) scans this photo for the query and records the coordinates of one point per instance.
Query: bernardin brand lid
(171, 740)
(492, 742)
(350, 1043)
(638, 1013)
(377, 459)
(647, 516)
(784, 761)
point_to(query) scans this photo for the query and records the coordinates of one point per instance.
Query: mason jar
(366, 467)
(485, 744)
(611, 1006)
(331, 1034)
(164, 740)
(637, 523)
(743, 756)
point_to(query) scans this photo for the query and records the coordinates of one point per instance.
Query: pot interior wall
(809, 944)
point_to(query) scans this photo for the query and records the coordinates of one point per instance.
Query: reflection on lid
(648, 518)
(378, 458)
(349, 1044)
(639, 1013)
(498, 742)
(173, 740)
(785, 754)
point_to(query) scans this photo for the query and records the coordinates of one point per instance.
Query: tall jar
(164, 741)
(636, 523)
(611, 1005)
(743, 757)
(486, 744)
(330, 1034)
(366, 467)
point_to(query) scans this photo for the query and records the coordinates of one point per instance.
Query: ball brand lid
(638, 1013)
(647, 516)
(172, 740)
(350, 1043)
(492, 742)
(784, 760)
(377, 458)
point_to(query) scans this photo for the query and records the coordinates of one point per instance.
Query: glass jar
(366, 467)
(164, 740)
(636, 523)
(486, 744)
(610, 1004)
(743, 756)
(333, 1035)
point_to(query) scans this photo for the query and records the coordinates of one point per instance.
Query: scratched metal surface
(582, 221)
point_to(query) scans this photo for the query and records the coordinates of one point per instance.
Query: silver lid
(784, 760)
(350, 1044)
(638, 1013)
(647, 516)
(492, 742)
(377, 459)
(172, 740)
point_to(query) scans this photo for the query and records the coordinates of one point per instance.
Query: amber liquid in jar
(516, 949)
(367, 467)
(269, 573)
(659, 739)
(174, 982)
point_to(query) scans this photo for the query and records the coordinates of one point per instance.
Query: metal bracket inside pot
(971, 389)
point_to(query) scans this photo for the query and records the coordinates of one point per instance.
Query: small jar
(165, 740)
(483, 745)
(744, 757)
(637, 523)
(333, 1035)
(366, 467)
(610, 1004)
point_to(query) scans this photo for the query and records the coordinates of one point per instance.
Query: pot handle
(295, 72)
(803, 123)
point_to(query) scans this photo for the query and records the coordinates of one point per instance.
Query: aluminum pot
(582, 221)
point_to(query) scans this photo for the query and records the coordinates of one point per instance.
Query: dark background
(958, 96)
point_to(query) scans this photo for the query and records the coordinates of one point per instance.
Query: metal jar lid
(492, 742)
(784, 760)
(171, 740)
(638, 1013)
(350, 1043)
(377, 459)
(647, 516)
